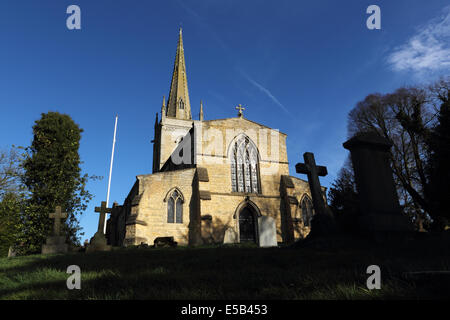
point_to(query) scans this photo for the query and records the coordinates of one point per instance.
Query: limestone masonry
(212, 181)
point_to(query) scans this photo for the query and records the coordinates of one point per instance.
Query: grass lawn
(240, 272)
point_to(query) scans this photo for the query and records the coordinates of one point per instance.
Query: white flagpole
(110, 172)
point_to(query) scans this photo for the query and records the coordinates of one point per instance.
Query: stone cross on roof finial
(240, 108)
(57, 215)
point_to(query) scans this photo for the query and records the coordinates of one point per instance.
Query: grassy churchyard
(334, 271)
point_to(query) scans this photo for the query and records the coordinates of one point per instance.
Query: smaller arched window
(307, 211)
(181, 104)
(175, 207)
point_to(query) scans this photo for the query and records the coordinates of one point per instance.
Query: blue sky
(297, 66)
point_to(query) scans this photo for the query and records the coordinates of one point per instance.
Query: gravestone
(230, 236)
(380, 208)
(267, 231)
(56, 243)
(98, 241)
(323, 222)
(11, 252)
(164, 242)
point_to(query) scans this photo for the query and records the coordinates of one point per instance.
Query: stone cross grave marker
(103, 210)
(98, 241)
(56, 242)
(323, 214)
(313, 171)
(57, 215)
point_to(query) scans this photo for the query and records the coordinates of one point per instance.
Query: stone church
(212, 180)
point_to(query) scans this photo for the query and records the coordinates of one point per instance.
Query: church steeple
(178, 104)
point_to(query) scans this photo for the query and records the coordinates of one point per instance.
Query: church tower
(178, 105)
(176, 117)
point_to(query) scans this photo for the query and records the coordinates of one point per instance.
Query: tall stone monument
(323, 222)
(98, 241)
(380, 208)
(56, 243)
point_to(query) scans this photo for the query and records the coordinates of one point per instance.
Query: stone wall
(151, 211)
(210, 207)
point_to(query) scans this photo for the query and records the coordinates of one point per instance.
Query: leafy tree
(10, 208)
(53, 177)
(12, 194)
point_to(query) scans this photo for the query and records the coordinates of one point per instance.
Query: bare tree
(406, 118)
(10, 171)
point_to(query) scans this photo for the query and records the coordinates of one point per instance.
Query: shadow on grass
(228, 272)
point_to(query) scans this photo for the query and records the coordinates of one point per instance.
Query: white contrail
(266, 91)
(229, 53)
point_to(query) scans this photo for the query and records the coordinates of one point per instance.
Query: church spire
(178, 104)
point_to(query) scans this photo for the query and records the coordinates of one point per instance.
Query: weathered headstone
(98, 241)
(164, 242)
(323, 222)
(11, 252)
(267, 231)
(230, 236)
(380, 208)
(56, 243)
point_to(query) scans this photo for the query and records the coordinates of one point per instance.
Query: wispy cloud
(426, 51)
(199, 19)
(264, 90)
(230, 54)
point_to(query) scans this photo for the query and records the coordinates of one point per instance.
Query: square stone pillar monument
(380, 208)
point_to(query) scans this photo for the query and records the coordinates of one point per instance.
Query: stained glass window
(175, 208)
(307, 211)
(233, 176)
(170, 206)
(244, 166)
(179, 211)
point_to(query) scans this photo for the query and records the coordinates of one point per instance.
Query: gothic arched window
(307, 211)
(244, 166)
(175, 207)
(181, 103)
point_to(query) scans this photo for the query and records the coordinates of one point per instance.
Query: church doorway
(247, 225)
